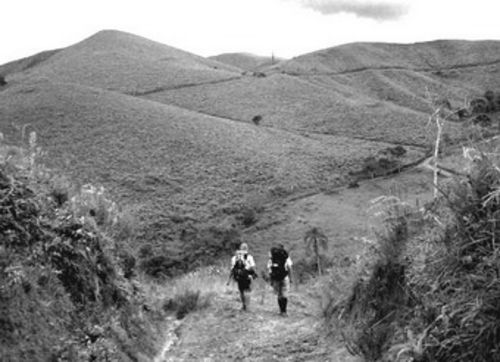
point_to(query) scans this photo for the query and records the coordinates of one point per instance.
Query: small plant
(186, 302)
(2, 81)
(315, 240)
(256, 119)
(248, 216)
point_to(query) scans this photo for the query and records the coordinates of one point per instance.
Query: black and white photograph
(250, 180)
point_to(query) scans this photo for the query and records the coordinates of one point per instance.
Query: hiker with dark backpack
(243, 272)
(280, 275)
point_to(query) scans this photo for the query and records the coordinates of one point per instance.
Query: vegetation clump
(433, 285)
(256, 119)
(60, 275)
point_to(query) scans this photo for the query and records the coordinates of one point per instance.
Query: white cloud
(378, 10)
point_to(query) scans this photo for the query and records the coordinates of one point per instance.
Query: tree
(315, 239)
(256, 119)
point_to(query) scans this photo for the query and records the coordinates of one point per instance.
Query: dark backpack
(240, 272)
(278, 260)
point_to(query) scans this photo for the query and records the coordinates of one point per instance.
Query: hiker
(243, 271)
(280, 275)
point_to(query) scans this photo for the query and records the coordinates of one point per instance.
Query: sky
(285, 28)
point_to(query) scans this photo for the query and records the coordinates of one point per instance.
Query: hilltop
(115, 60)
(432, 55)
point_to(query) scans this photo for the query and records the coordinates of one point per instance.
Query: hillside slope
(433, 55)
(168, 162)
(403, 74)
(124, 62)
(26, 63)
(245, 61)
(298, 104)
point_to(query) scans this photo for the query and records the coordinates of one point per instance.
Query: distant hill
(128, 63)
(24, 64)
(403, 74)
(433, 55)
(246, 61)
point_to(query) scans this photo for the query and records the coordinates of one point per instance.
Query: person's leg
(285, 287)
(247, 293)
(276, 289)
(242, 296)
(281, 299)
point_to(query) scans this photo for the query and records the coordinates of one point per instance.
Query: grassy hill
(26, 63)
(170, 165)
(403, 74)
(124, 62)
(300, 105)
(433, 55)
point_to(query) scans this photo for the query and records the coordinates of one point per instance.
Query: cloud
(378, 10)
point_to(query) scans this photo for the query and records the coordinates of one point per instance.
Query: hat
(244, 247)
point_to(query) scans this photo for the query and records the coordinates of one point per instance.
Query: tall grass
(190, 292)
(433, 285)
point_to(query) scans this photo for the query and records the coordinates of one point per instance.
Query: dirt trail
(225, 333)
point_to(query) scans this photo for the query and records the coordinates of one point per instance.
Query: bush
(433, 296)
(256, 120)
(368, 314)
(482, 120)
(2, 81)
(58, 276)
(186, 302)
(378, 166)
(248, 216)
(307, 268)
(478, 105)
(205, 247)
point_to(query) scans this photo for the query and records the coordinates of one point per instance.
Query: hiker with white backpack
(243, 272)
(280, 274)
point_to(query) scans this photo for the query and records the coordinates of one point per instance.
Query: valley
(204, 153)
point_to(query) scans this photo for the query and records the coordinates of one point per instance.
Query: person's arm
(233, 259)
(289, 265)
(251, 267)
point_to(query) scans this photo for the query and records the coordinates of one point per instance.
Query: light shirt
(240, 254)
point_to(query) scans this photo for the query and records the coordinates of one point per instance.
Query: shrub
(375, 302)
(2, 80)
(478, 105)
(433, 296)
(256, 119)
(378, 166)
(186, 302)
(307, 268)
(248, 216)
(60, 190)
(58, 278)
(482, 120)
